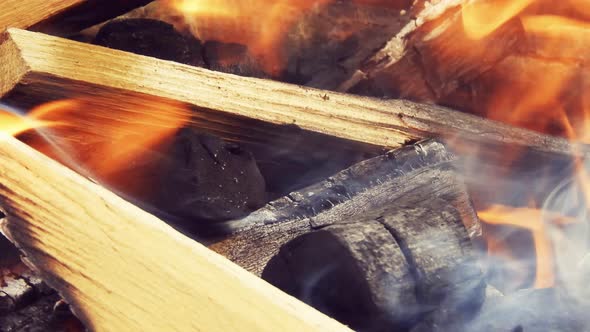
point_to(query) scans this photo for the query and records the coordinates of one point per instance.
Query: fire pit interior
(396, 165)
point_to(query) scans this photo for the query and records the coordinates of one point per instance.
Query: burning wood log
(432, 56)
(408, 206)
(152, 38)
(41, 68)
(350, 194)
(91, 246)
(61, 17)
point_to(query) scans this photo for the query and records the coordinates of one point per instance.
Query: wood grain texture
(123, 269)
(411, 198)
(61, 16)
(413, 176)
(354, 272)
(52, 67)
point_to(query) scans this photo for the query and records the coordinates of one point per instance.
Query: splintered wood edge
(57, 65)
(13, 66)
(123, 269)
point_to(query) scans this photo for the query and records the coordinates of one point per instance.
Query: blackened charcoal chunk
(208, 179)
(231, 58)
(9, 255)
(152, 38)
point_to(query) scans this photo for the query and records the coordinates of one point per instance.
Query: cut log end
(355, 273)
(14, 67)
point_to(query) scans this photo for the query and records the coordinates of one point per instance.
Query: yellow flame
(13, 124)
(530, 219)
(480, 18)
(99, 134)
(262, 25)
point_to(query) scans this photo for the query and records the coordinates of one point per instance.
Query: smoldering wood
(415, 196)
(350, 194)
(320, 49)
(442, 259)
(15, 293)
(61, 17)
(354, 272)
(231, 58)
(26, 303)
(330, 42)
(152, 38)
(40, 316)
(434, 59)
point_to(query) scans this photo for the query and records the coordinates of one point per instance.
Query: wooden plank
(123, 269)
(61, 16)
(41, 67)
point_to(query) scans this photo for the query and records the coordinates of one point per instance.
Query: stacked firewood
(298, 186)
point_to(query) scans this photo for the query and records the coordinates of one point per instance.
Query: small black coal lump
(9, 255)
(151, 38)
(208, 179)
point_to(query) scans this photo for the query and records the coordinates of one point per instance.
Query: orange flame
(480, 18)
(530, 219)
(99, 135)
(12, 124)
(539, 88)
(260, 24)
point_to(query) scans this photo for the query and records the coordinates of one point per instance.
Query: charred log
(353, 272)
(152, 38)
(350, 194)
(409, 201)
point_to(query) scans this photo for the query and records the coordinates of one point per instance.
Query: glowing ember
(99, 135)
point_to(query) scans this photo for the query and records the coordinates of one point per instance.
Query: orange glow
(12, 124)
(99, 135)
(530, 219)
(262, 25)
(541, 89)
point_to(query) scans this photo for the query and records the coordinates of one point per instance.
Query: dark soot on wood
(151, 38)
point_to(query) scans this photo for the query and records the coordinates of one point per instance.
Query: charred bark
(397, 224)
(403, 177)
(354, 272)
(152, 38)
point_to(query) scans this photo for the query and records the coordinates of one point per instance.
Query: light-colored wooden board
(40, 67)
(123, 269)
